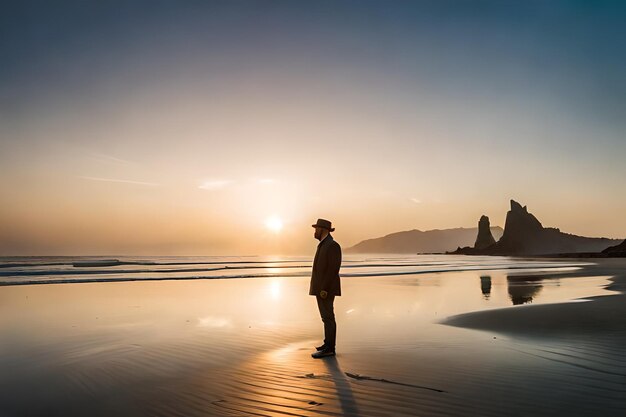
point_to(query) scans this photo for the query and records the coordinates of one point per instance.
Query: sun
(274, 223)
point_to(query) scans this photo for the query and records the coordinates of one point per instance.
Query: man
(325, 283)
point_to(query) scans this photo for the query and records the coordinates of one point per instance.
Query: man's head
(322, 228)
(320, 233)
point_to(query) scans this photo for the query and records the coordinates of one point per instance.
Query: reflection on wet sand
(485, 286)
(523, 290)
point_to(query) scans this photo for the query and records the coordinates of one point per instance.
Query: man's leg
(327, 313)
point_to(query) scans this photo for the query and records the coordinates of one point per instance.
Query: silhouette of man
(325, 283)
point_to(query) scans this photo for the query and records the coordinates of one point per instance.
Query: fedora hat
(324, 224)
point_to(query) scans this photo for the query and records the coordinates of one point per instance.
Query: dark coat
(325, 273)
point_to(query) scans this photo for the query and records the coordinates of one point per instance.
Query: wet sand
(456, 343)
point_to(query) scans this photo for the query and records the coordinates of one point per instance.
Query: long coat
(325, 273)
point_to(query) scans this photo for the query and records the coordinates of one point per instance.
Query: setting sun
(274, 223)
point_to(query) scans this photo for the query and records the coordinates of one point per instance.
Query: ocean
(78, 269)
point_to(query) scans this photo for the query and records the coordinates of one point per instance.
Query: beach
(197, 195)
(417, 335)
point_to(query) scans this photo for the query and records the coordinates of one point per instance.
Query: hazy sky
(180, 127)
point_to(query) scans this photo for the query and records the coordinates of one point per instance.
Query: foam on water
(57, 270)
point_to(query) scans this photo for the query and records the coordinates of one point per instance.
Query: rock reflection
(485, 286)
(522, 290)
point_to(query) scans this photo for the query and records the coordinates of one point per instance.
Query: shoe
(318, 348)
(323, 353)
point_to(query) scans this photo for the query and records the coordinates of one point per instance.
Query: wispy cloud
(416, 200)
(109, 158)
(214, 184)
(150, 184)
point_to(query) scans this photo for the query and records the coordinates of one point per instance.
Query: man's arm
(333, 265)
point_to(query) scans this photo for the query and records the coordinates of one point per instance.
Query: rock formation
(484, 238)
(524, 235)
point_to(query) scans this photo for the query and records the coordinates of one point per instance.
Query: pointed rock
(484, 238)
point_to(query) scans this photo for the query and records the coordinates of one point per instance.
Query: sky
(229, 127)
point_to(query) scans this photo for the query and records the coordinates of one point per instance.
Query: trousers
(327, 313)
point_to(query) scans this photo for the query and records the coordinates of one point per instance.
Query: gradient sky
(180, 127)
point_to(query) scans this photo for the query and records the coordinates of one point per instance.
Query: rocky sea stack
(525, 235)
(484, 238)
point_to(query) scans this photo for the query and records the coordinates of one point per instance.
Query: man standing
(325, 283)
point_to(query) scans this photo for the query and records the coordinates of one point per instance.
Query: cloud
(416, 200)
(109, 158)
(214, 184)
(150, 184)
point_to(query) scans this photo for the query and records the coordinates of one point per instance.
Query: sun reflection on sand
(274, 289)
(314, 385)
(283, 352)
(211, 321)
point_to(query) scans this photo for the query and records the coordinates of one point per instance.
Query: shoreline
(599, 314)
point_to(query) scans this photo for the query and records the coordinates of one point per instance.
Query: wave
(553, 267)
(265, 265)
(118, 262)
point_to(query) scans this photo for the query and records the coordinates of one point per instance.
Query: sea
(83, 269)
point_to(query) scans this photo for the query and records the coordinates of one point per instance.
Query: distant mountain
(525, 235)
(417, 241)
(617, 250)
